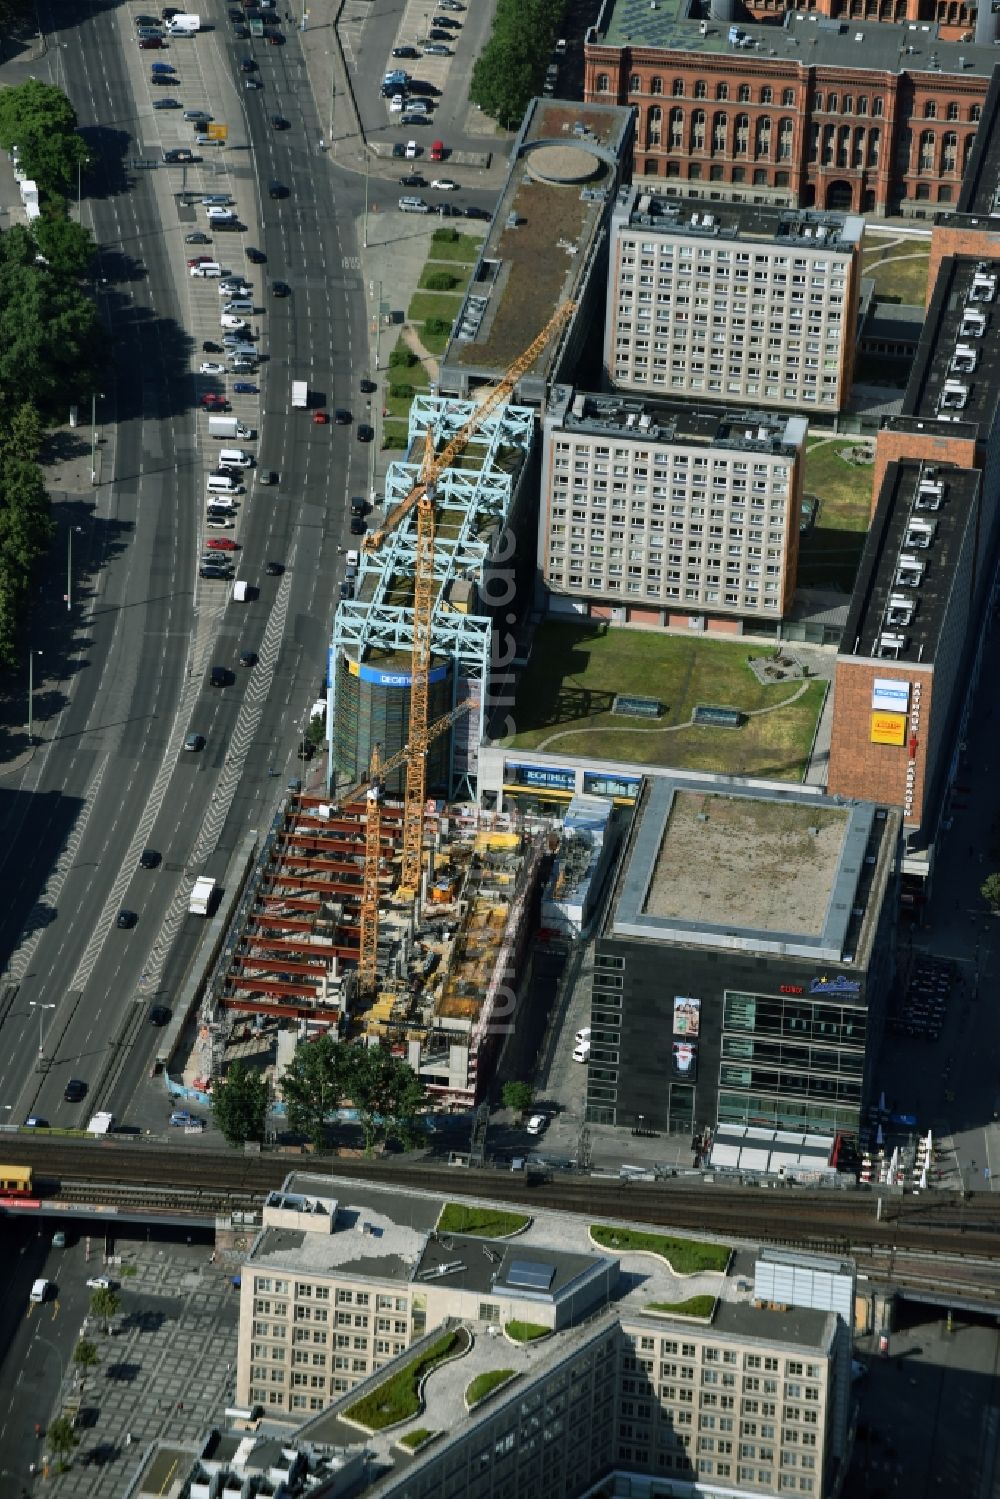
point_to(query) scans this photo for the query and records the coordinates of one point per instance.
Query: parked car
(445, 185)
(211, 367)
(255, 257)
(405, 52)
(221, 544)
(536, 1124)
(438, 49)
(197, 237)
(212, 401)
(101, 1283)
(412, 150)
(413, 179)
(166, 104)
(200, 117)
(245, 388)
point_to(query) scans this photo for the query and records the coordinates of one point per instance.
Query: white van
(209, 268)
(234, 458)
(234, 322)
(242, 305)
(223, 484)
(221, 216)
(40, 1291)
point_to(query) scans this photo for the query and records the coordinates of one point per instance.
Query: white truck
(300, 394)
(228, 427)
(101, 1124)
(183, 25)
(202, 894)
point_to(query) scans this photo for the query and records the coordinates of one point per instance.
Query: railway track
(941, 1223)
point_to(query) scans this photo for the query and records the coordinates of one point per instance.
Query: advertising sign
(888, 728)
(890, 695)
(687, 1016)
(217, 132)
(684, 1061)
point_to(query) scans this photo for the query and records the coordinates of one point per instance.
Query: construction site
(375, 912)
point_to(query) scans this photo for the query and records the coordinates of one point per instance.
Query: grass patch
(526, 1332)
(695, 1306)
(684, 1256)
(485, 1384)
(492, 1223)
(434, 343)
(576, 669)
(414, 1439)
(126, 1270)
(898, 270)
(465, 249)
(395, 436)
(460, 273)
(398, 1398)
(425, 304)
(830, 550)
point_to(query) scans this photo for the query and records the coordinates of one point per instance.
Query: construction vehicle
(422, 496)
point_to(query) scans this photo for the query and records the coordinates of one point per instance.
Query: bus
(16, 1181)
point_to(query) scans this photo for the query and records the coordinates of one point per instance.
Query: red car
(221, 544)
(214, 402)
(150, 43)
(200, 260)
(320, 418)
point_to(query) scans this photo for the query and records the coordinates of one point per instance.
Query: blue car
(162, 67)
(244, 388)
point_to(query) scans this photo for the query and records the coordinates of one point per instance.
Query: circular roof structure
(563, 163)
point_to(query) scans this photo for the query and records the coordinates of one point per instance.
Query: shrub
(445, 236)
(438, 325)
(417, 1438)
(485, 1384)
(402, 358)
(401, 392)
(440, 281)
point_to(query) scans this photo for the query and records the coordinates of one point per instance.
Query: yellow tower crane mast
(422, 496)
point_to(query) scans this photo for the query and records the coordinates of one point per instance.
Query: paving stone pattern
(170, 1368)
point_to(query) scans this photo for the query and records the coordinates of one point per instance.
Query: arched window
(874, 137)
(762, 141)
(974, 112)
(848, 104)
(949, 153)
(788, 97)
(698, 130)
(677, 88)
(926, 157)
(743, 93)
(878, 107)
(634, 84)
(819, 101)
(603, 84)
(858, 158)
(930, 110)
(862, 104)
(719, 129)
(741, 141)
(676, 129)
(785, 130)
(953, 110)
(656, 85)
(766, 95)
(701, 89)
(831, 103)
(654, 121)
(722, 90)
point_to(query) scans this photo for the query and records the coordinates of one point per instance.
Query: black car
(197, 238)
(447, 21)
(75, 1090)
(358, 527)
(219, 677)
(305, 750)
(159, 1015)
(365, 433)
(215, 572)
(144, 21)
(149, 859)
(208, 347)
(412, 179)
(166, 104)
(345, 590)
(434, 35)
(278, 122)
(242, 33)
(126, 919)
(248, 658)
(255, 257)
(267, 476)
(277, 189)
(274, 569)
(252, 83)
(163, 80)
(248, 65)
(367, 387)
(398, 149)
(449, 211)
(341, 417)
(472, 212)
(405, 52)
(280, 289)
(359, 506)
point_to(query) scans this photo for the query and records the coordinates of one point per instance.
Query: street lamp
(31, 693)
(36, 1004)
(93, 434)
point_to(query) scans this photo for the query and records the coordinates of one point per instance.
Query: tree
(61, 1438)
(67, 246)
(387, 1094)
(314, 1084)
(85, 1354)
(39, 119)
(511, 67)
(990, 891)
(23, 437)
(517, 1096)
(239, 1104)
(104, 1304)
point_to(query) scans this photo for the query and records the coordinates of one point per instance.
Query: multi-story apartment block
(664, 514)
(728, 302)
(867, 111)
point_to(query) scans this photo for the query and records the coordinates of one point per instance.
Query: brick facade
(953, 19)
(893, 444)
(775, 130)
(885, 773)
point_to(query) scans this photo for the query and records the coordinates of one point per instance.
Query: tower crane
(422, 496)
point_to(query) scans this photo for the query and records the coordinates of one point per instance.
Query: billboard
(889, 695)
(216, 131)
(392, 678)
(888, 728)
(687, 1016)
(684, 1061)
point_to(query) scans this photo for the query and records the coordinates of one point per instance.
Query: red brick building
(847, 112)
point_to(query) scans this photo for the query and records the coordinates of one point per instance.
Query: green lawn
(485, 1384)
(576, 669)
(685, 1256)
(526, 1332)
(695, 1306)
(395, 436)
(417, 1438)
(425, 304)
(830, 550)
(461, 273)
(491, 1223)
(434, 343)
(898, 270)
(465, 248)
(397, 1399)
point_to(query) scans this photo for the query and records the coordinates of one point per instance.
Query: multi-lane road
(110, 775)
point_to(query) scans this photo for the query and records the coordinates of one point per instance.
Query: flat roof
(565, 169)
(980, 190)
(702, 218)
(902, 593)
(956, 369)
(753, 870)
(675, 421)
(497, 1265)
(809, 41)
(795, 1327)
